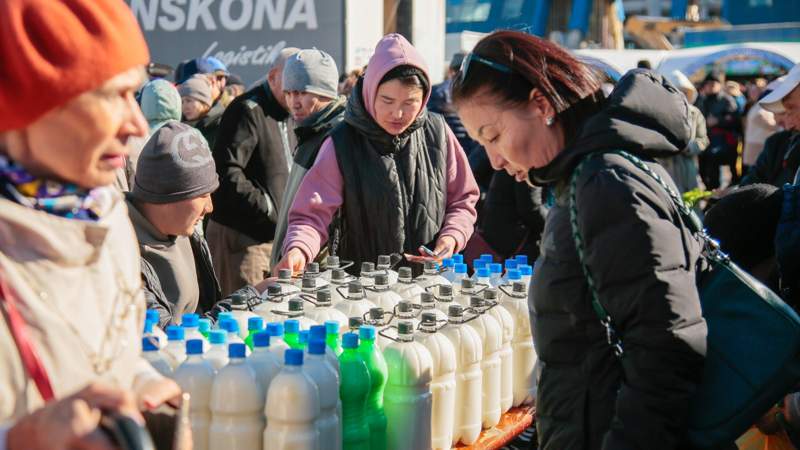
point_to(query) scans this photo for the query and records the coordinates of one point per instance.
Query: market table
(512, 423)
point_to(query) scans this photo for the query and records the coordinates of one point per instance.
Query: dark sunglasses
(462, 73)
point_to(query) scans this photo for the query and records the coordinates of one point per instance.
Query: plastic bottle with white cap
(175, 351)
(151, 353)
(217, 354)
(263, 362)
(319, 369)
(237, 405)
(506, 321)
(443, 382)
(490, 333)
(196, 377)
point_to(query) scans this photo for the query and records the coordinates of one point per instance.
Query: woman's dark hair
(570, 86)
(409, 76)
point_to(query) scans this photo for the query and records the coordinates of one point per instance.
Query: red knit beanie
(51, 51)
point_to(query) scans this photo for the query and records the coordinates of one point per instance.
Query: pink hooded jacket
(321, 193)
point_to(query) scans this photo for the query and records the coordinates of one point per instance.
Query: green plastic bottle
(353, 391)
(254, 325)
(205, 327)
(332, 336)
(303, 338)
(378, 374)
(291, 333)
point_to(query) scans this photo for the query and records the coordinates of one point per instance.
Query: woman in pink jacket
(391, 178)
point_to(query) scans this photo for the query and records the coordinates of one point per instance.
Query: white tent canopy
(690, 60)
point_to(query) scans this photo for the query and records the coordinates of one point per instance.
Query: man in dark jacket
(252, 155)
(722, 120)
(310, 81)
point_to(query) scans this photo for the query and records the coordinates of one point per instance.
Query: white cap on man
(773, 102)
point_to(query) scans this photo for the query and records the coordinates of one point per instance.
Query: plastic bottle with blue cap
(204, 327)
(254, 325)
(527, 273)
(153, 316)
(191, 329)
(521, 259)
(151, 353)
(354, 388)
(496, 274)
(459, 273)
(222, 316)
(175, 351)
(319, 369)
(263, 362)
(277, 344)
(448, 269)
(196, 377)
(320, 332)
(291, 333)
(292, 408)
(490, 332)
(443, 381)
(237, 405)
(506, 321)
(477, 265)
(231, 326)
(217, 354)
(303, 339)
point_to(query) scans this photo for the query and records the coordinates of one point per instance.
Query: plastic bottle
(332, 330)
(490, 333)
(376, 417)
(354, 323)
(443, 382)
(204, 327)
(286, 282)
(326, 377)
(521, 259)
(274, 300)
(488, 257)
(431, 277)
(496, 274)
(293, 408)
(458, 258)
(448, 269)
(353, 390)
(385, 265)
(324, 310)
(368, 274)
(469, 378)
(217, 354)
(524, 359)
(319, 333)
(444, 298)
(483, 278)
(291, 333)
(381, 296)
(506, 354)
(406, 287)
(355, 303)
(175, 351)
(153, 316)
(241, 312)
(466, 290)
(303, 339)
(477, 265)
(232, 327)
(237, 405)
(428, 304)
(527, 273)
(407, 398)
(191, 329)
(196, 377)
(263, 362)
(297, 312)
(511, 264)
(379, 319)
(332, 263)
(254, 325)
(339, 279)
(312, 273)
(459, 273)
(405, 310)
(277, 344)
(151, 353)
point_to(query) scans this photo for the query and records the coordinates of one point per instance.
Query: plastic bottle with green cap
(354, 388)
(332, 336)
(376, 417)
(254, 325)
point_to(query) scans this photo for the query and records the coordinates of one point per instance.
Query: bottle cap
(338, 275)
(525, 270)
(150, 343)
(404, 273)
(194, 347)
(488, 257)
(331, 327)
(190, 320)
(148, 326)
(514, 275)
(428, 318)
(332, 261)
(261, 339)
(375, 314)
(405, 307)
(238, 299)
(445, 290)
(430, 265)
(455, 311)
(476, 301)
(448, 262)
(174, 333)
(275, 329)
(384, 260)
(519, 287)
(316, 347)
(295, 304)
(458, 259)
(354, 287)
(309, 283)
(217, 337)
(255, 323)
(521, 259)
(460, 268)
(237, 350)
(483, 272)
(153, 315)
(291, 326)
(285, 274)
(382, 280)
(324, 297)
(479, 264)
(304, 337)
(511, 264)
(224, 315)
(366, 332)
(496, 268)
(490, 294)
(426, 297)
(274, 290)
(293, 357)
(350, 340)
(367, 267)
(467, 283)
(204, 325)
(317, 332)
(355, 322)
(229, 325)
(405, 327)
(312, 268)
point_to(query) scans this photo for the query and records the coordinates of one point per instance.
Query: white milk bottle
(274, 300)
(444, 297)
(191, 329)
(379, 319)
(217, 354)
(443, 382)
(459, 273)
(466, 290)
(355, 303)
(196, 377)
(326, 378)
(276, 343)
(428, 304)
(491, 336)
(406, 310)
(380, 295)
(524, 360)
(154, 318)
(332, 262)
(309, 286)
(312, 272)
(385, 265)
(237, 405)
(263, 362)
(506, 352)
(324, 311)
(286, 281)
(297, 311)
(431, 277)
(151, 353)
(367, 274)
(339, 281)
(231, 326)
(320, 333)
(292, 408)
(241, 313)
(483, 278)
(496, 274)
(175, 351)
(469, 353)
(406, 287)
(407, 397)
(448, 269)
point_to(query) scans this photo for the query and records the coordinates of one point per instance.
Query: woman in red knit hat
(70, 286)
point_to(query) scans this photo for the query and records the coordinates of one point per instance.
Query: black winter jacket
(643, 261)
(778, 162)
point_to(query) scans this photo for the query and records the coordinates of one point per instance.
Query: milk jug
(469, 354)
(263, 362)
(310, 285)
(151, 354)
(490, 333)
(286, 282)
(406, 287)
(237, 405)
(319, 333)
(385, 265)
(196, 377)
(443, 382)
(407, 311)
(175, 351)
(297, 312)
(293, 408)
(428, 304)
(276, 343)
(191, 329)
(444, 298)
(524, 359)
(466, 290)
(217, 354)
(431, 277)
(376, 417)
(332, 331)
(354, 304)
(254, 325)
(312, 273)
(368, 274)
(153, 318)
(332, 263)
(379, 319)
(380, 294)
(324, 311)
(339, 282)
(354, 388)
(407, 398)
(274, 300)
(506, 353)
(240, 312)
(319, 369)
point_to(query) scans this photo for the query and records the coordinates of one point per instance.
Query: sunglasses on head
(462, 73)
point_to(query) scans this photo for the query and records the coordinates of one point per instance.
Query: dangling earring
(549, 121)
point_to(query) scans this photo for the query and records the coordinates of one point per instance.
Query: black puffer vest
(395, 187)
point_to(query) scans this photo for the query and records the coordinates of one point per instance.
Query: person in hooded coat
(395, 172)
(539, 113)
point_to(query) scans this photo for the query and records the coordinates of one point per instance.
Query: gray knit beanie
(175, 164)
(198, 88)
(311, 71)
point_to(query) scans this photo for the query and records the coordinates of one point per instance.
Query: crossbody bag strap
(19, 331)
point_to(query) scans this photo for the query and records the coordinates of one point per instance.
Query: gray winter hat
(311, 71)
(198, 88)
(175, 164)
